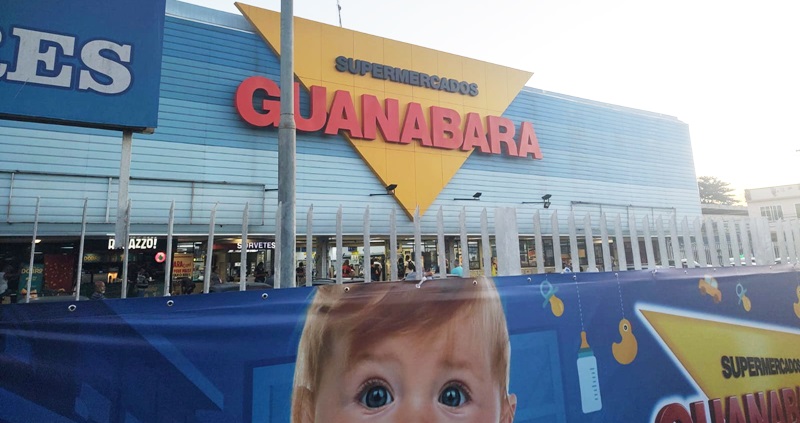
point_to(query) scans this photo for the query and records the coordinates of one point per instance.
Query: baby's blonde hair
(364, 315)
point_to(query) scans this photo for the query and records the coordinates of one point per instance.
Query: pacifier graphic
(743, 300)
(708, 286)
(797, 304)
(556, 305)
(625, 350)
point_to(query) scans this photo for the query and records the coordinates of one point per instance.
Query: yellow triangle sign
(420, 172)
(726, 359)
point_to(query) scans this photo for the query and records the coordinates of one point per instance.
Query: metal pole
(418, 262)
(608, 264)
(676, 246)
(168, 260)
(287, 166)
(124, 181)
(697, 225)
(33, 251)
(485, 247)
(339, 252)
(622, 259)
(633, 230)
(589, 242)
(209, 250)
(662, 243)
(125, 255)
(243, 256)
(687, 243)
(573, 243)
(442, 262)
(323, 247)
(556, 241)
(538, 243)
(367, 267)
(80, 251)
(309, 246)
(276, 277)
(462, 221)
(393, 248)
(648, 243)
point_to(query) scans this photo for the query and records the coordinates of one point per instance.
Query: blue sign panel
(90, 63)
(673, 346)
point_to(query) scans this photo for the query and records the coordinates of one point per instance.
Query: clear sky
(730, 69)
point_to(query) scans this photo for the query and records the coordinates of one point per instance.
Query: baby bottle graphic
(588, 378)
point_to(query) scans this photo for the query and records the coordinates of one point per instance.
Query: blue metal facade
(597, 157)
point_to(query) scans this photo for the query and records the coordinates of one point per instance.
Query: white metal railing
(708, 241)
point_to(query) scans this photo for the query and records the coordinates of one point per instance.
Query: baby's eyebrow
(455, 363)
(366, 356)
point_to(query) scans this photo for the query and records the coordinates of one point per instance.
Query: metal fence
(611, 242)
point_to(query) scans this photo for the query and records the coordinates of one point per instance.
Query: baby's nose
(416, 409)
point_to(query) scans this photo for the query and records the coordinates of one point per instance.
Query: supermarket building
(373, 113)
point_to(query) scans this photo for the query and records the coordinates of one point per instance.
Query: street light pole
(287, 161)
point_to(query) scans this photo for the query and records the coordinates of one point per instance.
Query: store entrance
(260, 265)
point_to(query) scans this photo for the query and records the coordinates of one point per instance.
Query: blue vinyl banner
(93, 63)
(665, 346)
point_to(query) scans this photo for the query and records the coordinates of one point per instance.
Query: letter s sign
(94, 63)
(119, 75)
(40, 57)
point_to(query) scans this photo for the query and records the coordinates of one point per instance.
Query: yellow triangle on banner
(727, 359)
(419, 172)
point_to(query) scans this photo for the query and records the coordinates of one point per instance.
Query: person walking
(377, 271)
(457, 269)
(4, 282)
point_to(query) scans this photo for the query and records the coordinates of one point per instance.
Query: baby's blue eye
(376, 396)
(453, 396)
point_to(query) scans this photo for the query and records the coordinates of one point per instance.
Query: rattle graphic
(556, 305)
(743, 300)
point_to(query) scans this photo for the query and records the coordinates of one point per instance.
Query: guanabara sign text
(436, 127)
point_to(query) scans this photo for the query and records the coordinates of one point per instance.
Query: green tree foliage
(714, 191)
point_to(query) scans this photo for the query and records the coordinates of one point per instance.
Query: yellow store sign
(413, 114)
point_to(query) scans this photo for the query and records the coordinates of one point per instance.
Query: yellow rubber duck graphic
(797, 304)
(625, 350)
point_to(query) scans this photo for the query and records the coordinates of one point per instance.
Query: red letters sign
(440, 127)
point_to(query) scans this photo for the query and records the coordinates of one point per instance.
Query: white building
(780, 205)
(774, 203)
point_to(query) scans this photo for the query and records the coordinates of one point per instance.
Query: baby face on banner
(400, 354)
